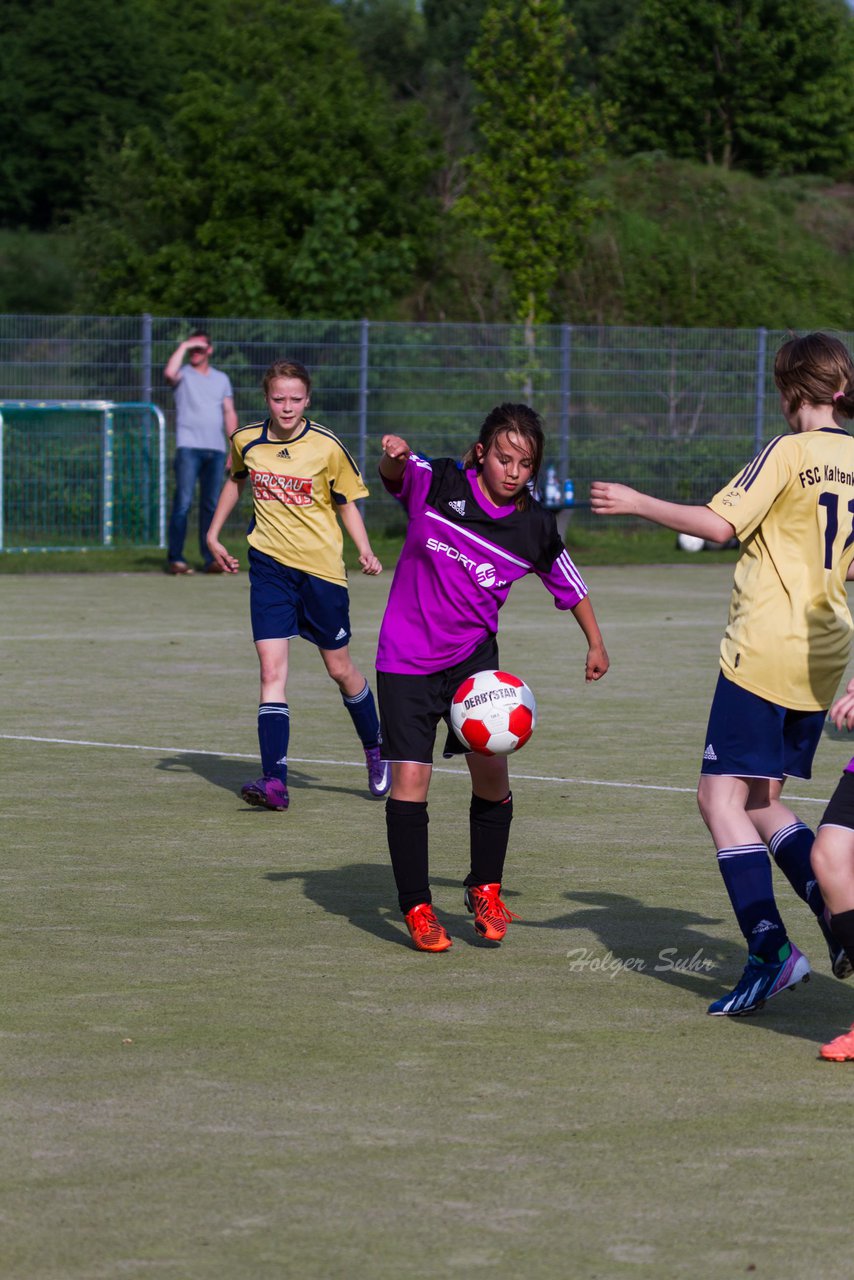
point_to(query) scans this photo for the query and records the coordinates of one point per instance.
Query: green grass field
(223, 1060)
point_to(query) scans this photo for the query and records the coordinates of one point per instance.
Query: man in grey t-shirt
(205, 422)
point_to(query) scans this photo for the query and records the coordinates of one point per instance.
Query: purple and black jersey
(460, 559)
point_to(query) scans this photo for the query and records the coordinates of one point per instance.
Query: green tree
(71, 72)
(389, 36)
(762, 85)
(283, 182)
(689, 245)
(539, 140)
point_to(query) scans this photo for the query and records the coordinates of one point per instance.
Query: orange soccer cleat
(426, 932)
(490, 913)
(839, 1050)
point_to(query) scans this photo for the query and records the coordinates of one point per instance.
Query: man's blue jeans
(207, 467)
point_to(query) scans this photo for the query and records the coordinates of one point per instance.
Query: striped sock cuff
(740, 851)
(352, 699)
(785, 833)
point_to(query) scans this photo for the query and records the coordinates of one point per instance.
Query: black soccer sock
(842, 928)
(489, 827)
(406, 826)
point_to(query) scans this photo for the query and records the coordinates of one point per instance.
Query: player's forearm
(228, 499)
(229, 417)
(394, 456)
(351, 518)
(586, 619)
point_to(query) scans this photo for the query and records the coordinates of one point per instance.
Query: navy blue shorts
(749, 737)
(412, 706)
(286, 602)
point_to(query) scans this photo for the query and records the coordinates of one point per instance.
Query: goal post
(76, 474)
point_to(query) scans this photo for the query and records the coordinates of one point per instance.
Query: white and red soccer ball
(493, 713)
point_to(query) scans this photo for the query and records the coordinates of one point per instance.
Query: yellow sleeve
(749, 496)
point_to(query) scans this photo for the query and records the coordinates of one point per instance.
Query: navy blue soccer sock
(791, 847)
(489, 827)
(406, 827)
(274, 731)
(363, 713)
(746, 870)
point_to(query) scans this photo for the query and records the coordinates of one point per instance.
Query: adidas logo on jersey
(709, 753)
(342, 635)
(283, 453)
(458, 505)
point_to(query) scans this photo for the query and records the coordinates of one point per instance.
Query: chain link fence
(675, 411)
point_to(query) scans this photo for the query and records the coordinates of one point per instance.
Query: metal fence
(671, 410)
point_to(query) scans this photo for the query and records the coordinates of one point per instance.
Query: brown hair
(286, 369)
(814, 370)
(522, 421)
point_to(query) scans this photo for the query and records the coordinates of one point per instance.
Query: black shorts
(840, 806)
(412, 706)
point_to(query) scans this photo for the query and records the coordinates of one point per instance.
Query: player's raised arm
(394, 457)
(620, 500)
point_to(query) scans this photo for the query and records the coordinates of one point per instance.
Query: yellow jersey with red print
(296, 486)
(792, 508)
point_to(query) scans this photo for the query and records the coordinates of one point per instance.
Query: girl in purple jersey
(473, 531)
(833, 864)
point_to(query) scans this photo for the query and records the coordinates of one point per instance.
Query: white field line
(351, 764)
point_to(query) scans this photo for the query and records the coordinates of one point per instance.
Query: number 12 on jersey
(830, 501)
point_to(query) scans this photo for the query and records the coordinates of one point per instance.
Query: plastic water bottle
(552, 489)
(568, 493)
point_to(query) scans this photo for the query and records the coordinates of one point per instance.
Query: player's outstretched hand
(842, 711)
(226, 562)
(370, 564)
(612, 499)
(597, 663)
(396, 448)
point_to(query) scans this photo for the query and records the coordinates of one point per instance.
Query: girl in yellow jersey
(783, 653)
(303, 482)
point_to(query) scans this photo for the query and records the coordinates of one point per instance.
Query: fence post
(565, 393)
(145, 397)
(1, 481)
(759, 410)
(107, 464)
(146, 359)
(362, 456)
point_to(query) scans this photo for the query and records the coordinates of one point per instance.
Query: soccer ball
(688, 542)
(493, 713)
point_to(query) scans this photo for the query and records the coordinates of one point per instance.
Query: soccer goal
(76, 474)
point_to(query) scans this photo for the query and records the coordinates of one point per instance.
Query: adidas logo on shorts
(709, 753)
(342, 635)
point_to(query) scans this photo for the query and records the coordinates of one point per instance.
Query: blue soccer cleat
(761, 980)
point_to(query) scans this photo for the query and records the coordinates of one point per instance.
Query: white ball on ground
(688, 542)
